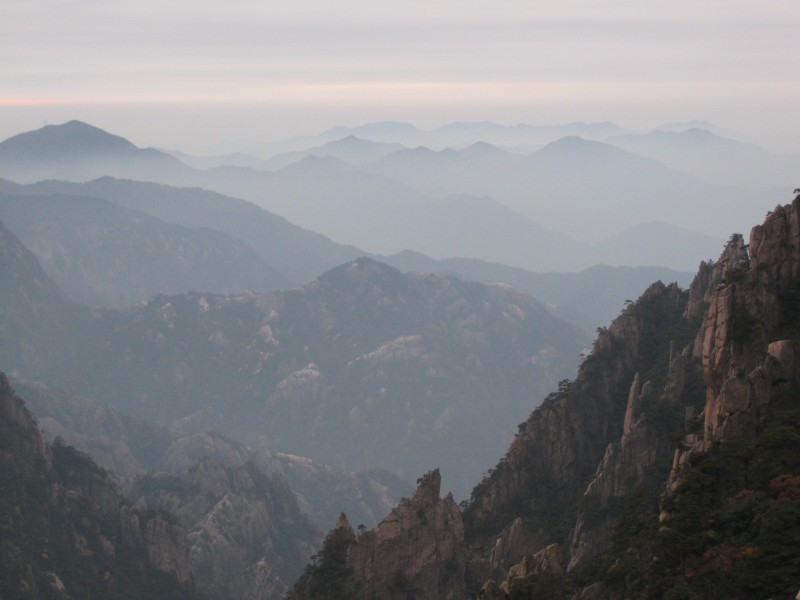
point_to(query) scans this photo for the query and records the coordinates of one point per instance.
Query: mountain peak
(77, 151)
(70, 140)
(577, 146)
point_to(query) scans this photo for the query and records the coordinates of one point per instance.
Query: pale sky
(185, 74)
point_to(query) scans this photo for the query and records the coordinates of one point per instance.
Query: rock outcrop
(640, 457)
(705, 388)
(532, 492)
(748, 338)
(416, 552)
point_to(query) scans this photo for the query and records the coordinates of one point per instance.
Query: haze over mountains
(292, 334)
(581, 198)
(362, 367)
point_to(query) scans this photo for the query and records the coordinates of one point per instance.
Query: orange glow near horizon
(359, 93)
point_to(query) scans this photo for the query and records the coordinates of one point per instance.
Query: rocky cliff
(67, 533)
(717, 365)
(415, 552)
(534, 493)
(669, 467)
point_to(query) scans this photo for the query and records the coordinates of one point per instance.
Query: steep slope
(103, 255)
(246, 534)
(66, 531)
(415, 552)
(668, 468)
(542, 478)
(41, 330)
(745, 345)
(300, 255)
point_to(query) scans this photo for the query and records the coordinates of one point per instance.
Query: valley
(234, 353)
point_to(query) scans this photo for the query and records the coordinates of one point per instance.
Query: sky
(190, 73)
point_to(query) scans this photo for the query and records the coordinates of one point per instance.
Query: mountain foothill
(225, 354)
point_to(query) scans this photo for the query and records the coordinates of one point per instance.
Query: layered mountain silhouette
(363, 367)
(717, 159)
(101, 254)
(666, 469)
(287, 255)
(589, 298)
(589, 189)
(194, 234)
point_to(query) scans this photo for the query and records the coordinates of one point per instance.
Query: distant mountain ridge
(588, 189)
(465, 133)
(589, 298)
(104, 255)
(299, 255)
(721, 160)
(78, 151)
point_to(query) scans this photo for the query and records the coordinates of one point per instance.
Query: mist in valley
(367, 252)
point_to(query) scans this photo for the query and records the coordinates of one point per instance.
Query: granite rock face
(636, 458)
(673, 375)
(556, 453)
(416, 552)
(748, 337)
(420, 542)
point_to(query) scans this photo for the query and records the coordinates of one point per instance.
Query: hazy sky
(188, 73)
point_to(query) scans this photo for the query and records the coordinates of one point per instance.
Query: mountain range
(143, 324)
(363, 367)
(194, 242)
(666, 469)
(574, 194)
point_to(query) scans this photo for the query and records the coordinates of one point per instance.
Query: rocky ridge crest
(417, 551)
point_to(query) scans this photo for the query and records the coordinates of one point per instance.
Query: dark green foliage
(72, 465)
(734, 526)
(545, 586)
(789, 302)
(328, 577)
(741, 324)
(601, 390)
